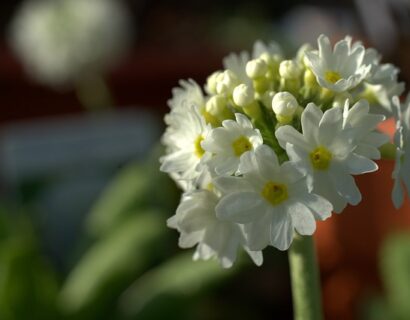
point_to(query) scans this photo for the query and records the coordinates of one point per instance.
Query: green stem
(304, 274)
(93, 93)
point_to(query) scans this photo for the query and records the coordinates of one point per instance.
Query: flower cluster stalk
(304, 273)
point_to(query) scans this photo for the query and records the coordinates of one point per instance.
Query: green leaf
(178, 276)
(395, 267)
(127, 191)
(111, 263)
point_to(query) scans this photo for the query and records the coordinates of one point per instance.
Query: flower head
(340, 69)
(326, 152)
(229, 143)
(196, 221)
(270, 200)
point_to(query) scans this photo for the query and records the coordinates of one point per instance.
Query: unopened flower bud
(289, 69)
(256, 68)
(243, 95)
(216, 106)
(226, 82)
(284, 105)
(211, 82)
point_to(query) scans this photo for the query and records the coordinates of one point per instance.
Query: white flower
(60, 41)
(271, 200)
(368, 140)
(189, 93)
(229, 143)
(183, 138)
(195, 219)
(325, 151)
(401, 172)
(341, 69)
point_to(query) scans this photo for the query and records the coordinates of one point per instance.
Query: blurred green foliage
(129, 265)
(395, 271)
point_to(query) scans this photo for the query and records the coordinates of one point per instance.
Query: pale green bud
(217, 106)
(226, 82)
(256, 68)
(270, 61)
(243, 95)
(266, 98)
(309, 78)
(289, 69)
(284, 105)
(211, 82)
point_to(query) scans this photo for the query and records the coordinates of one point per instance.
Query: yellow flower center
(332, 76)
(320, 158)
(274, 193)
(199, 152)
(241, 145)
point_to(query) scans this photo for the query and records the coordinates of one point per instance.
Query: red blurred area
(349, 243)
(143, 80)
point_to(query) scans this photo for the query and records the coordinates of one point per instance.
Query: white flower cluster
(274, 144)
(59, 41)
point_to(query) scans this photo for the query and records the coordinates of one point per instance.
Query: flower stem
(304, 274)
(94, 94)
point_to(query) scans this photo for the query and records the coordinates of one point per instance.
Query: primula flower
(229, 143)
(271, 200)
(196, 221)
(184, 137)
(401, 172)
(325, 151)
(364, 123)
(340, 69)
(274, 144)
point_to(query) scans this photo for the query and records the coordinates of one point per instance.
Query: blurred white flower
(270, 200)
(401, 172)
(340, 69)
(195, 219)
(61, 41)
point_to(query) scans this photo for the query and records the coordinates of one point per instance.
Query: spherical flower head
(270, 200)
(243, 95)
(256, 68)
(289, 69)
(195, 219)
(340, 69)
(284, 105)
(226, 82)
(229, 143)
(61, 41)
(325, 151)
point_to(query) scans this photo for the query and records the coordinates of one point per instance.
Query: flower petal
(240, 207)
